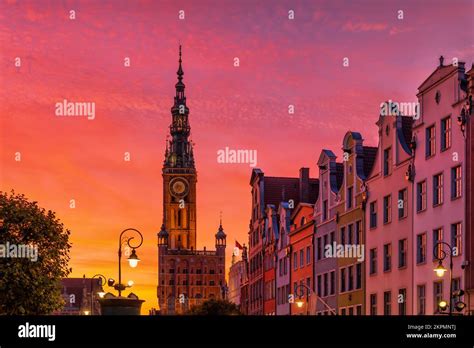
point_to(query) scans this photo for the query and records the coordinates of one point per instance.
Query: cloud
(398, 30)
(364, 26)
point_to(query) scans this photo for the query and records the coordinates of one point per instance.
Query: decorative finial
(220, 218)
(441, 61)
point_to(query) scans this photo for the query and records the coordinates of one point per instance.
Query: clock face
(179, 187)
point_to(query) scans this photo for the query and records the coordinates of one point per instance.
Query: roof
(279, 189)
(441, 72)
(313, 190)
(370, 152)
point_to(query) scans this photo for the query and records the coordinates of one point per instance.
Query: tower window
(179, 219)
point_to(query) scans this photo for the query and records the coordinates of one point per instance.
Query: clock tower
(187, 277)
(179, 175)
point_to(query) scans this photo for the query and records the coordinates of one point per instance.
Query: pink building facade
(440, 186)
(283, 260)
(388, 217)
(325, 268)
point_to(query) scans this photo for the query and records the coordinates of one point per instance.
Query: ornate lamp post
(132, 259)
(440, 254)
(300, 292)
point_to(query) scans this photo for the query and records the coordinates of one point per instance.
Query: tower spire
(180, 71)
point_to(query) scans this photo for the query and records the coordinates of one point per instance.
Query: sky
(282, 62)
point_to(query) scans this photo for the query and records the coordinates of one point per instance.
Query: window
(402, 304)
(308, 255)
(319, 285)
(373, 214)
(325, 242)
(421, 196)
(295, 261)
(445, 133)
(308, 284)
(350, 233)
(456, 238)
(343, 234)
(456, 287)
(437, 189)
(326, 284)
(320, 249)
(437, 294)
(325, 210)
(402, 253)
(332, 237)
(421, 248)
(402, 203)
(421, 294)
(430, 145)
(387, 161)
(373, 261)
(387, 257)
(373, 304)
(333, 282)
(437, 237)
(358, 232)
(456, 182)
(359, 276)
(280, 267)
(351, 310)
(387, 303)
(302, 222)
(350, 276)
(343, 279)
(350, 197)
(301, 258)
(387, 209)
(359, 310)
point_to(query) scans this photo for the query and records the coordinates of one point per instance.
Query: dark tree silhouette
(26, 286)
(215, 307)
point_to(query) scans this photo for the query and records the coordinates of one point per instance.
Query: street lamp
(300, 292)
(133, 258)
(101, 292)
(440, 254)
(440, 270)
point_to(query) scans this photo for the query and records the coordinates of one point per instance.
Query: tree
(29, 286)
(215, 307)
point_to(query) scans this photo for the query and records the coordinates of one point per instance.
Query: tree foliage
(26, 286)
(215, 307)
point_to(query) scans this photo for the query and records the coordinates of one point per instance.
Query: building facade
(283, 260)
(330, 181)
(270, 240)
(466, 119)
(357, 161)
(388, 237)
(186, 276)
(267, 190)
(440, 186)
(302, 270)
(80, 296)
(235, 280)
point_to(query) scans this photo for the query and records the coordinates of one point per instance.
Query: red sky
(282, 62)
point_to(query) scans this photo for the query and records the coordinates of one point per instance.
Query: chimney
(304, 185)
